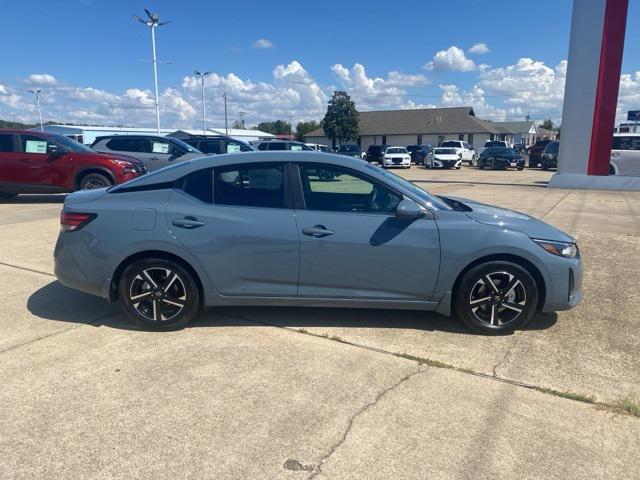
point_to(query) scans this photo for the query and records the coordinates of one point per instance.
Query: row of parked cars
(39, 162)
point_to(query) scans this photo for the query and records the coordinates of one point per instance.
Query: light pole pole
(226, 125)
(204, 103)
(153, 23)
(36, 92)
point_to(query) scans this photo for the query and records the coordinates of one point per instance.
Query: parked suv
(535, 152)
(155, 152)
(281, 145)
(375, 153)
(549, 158)
(419, 153)
(466, 152)
(625, 154)
(350, 150)
(38, 162)
(216, 144)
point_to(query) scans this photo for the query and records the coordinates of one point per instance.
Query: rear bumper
(69, 272)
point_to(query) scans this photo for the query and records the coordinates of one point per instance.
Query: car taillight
(70, 222)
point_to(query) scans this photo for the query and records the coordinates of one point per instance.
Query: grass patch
(425, 361)
(578, 397)
(629, 406)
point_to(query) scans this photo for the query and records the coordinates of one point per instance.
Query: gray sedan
(311, 229)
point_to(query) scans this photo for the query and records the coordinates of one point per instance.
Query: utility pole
(204, 103)
(226, 125)
(36, 92)
(153, 23)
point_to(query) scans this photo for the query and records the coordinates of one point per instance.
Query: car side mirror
(409, 210)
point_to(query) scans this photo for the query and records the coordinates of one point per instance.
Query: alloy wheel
(93, 183)
(158, 294)
(498, 298)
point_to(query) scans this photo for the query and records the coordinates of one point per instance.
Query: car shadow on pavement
(32, 199)
(56, 302)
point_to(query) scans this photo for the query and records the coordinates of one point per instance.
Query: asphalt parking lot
(326, 393)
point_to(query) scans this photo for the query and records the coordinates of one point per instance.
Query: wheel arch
(523, 262)
(117, 274)
(94, 169)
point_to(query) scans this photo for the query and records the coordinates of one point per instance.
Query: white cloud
(453, 60)
(42, 79)
(479, 49)
(263, 43)
(452, 96)
(375, 92)
(629, 95)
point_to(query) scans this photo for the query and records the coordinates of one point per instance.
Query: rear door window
(124, 144)
(253, 185)
(6, 143)
(626, 142)
(209, 146)
(198, 185)
(277, 146)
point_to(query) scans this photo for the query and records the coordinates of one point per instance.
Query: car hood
(507, 156)
(512, 220)
(446, 156)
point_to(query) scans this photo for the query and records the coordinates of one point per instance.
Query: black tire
(612, 171)
(493, 165)
(520, 169)
(94, 180)
(493, 312)
(7, 196)
(480, 165)
(172, 302)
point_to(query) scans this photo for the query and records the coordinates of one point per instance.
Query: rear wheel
(159, 294)
(94, 180)
(612, 171)
(496, 297)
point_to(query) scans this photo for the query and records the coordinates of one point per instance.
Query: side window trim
(298, 191)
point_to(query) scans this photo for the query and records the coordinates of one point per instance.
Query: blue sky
(91, 58)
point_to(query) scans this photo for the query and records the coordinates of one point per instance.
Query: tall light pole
(204, 103)
(36, 92)
(226, 125)
(153, 23)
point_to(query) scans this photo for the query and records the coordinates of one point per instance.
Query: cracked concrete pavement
(243, 394)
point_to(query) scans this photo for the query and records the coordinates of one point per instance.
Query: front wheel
(94, 180)
(496, 297)
(159, 294)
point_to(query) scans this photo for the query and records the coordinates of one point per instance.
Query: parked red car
(39, 162)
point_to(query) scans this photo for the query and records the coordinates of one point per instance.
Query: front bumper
(564, 290)
(395, 162)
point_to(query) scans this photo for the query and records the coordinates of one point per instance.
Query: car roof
(629, 134)
(29, 132)
(109, 137)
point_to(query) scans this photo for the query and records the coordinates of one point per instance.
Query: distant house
(544, 134)
(429, 126)
(523, 132)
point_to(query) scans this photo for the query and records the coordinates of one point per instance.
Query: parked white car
(625, 154)
(396, 157)
(318, 147)
(466, 151)
(443, 158)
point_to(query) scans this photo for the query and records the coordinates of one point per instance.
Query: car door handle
(187, 222)
(317, 231)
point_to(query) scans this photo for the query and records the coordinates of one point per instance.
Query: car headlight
(562, 249)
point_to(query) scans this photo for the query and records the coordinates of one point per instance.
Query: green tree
(279, 127)
(302, 128)
(341, 120)
(548, 124)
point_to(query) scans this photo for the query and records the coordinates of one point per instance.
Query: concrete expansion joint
(318, 469)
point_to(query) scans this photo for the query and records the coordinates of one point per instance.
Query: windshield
(502, 151)
(71, 145)
(396, 150)
(392, 178)
(349, 148)
(552, 147)
(450, 144)
(444, 151)
(185, 145)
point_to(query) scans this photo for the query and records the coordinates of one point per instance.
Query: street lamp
(153, 23)
(204, 104)
(36, 92)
